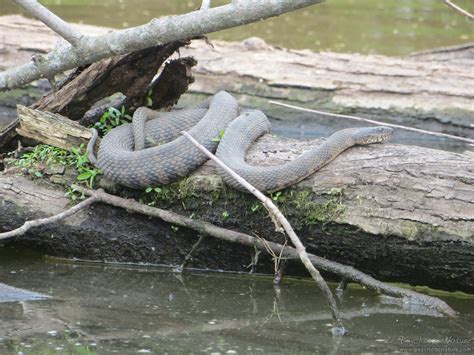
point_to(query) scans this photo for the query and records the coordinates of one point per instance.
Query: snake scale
(151, 152)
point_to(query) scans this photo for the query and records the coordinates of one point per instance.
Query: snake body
(146, 152)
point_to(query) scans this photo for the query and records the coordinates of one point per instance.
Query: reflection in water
(394, 27)
(128, 309)
(13, 294)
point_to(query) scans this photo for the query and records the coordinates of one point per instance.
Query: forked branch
(157, 31)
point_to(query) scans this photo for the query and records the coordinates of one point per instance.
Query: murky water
(101, 309)
(394, 27)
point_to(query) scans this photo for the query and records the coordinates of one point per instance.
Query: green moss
(312, 209)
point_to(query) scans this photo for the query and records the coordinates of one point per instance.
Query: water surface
(393, 27)
(96, 308)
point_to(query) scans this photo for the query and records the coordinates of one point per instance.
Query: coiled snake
(147, 152)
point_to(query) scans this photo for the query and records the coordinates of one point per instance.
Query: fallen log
(424, 93)
(399, 213)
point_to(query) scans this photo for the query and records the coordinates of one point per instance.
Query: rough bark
(129, 74)
(50, 128)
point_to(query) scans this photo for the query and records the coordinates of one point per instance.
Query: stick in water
(278, 216)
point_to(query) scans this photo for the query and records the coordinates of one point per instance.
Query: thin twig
(273, 209)
(54, 22)
(42, 221)
(361, 119)
(459, 9)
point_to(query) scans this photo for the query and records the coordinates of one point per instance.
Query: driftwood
(204, 228)
(397, 212)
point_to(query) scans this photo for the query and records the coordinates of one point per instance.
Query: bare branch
(42, 221)
(281, 219)
(459, 9)
(361, 119)
(162, 30)
(54, 22)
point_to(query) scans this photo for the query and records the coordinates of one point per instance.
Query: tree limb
(163, 30)
(54, 22)
(42, 221)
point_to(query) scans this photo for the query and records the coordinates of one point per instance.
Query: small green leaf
(38, 174)
(84, 176)
(157, 189)
(148, 190)
(219, 137)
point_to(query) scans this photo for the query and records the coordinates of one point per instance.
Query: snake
(151, 152)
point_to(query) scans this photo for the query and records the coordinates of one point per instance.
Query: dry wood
(50, 128)
(130, 74)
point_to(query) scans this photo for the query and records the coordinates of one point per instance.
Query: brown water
(393, 27)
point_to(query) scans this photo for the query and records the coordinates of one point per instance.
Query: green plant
(276, 196)
(256, 206)
(74, 194)
(225, 215)
(43, 155)
(149, 100)
(78, 159)
(112, 118)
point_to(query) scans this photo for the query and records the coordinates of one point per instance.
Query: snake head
(369, 135)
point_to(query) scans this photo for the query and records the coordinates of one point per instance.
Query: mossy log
(400, 213)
